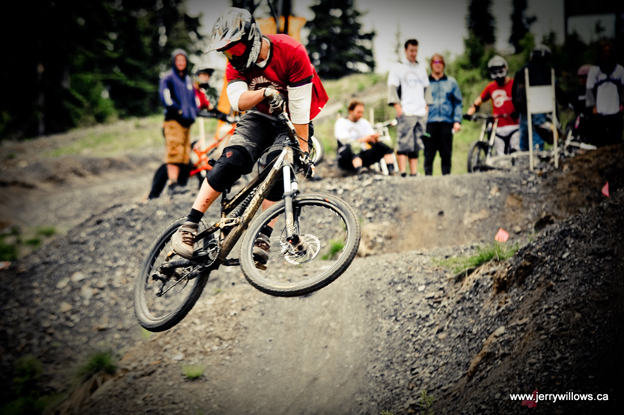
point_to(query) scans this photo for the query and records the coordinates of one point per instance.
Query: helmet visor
(235, 51)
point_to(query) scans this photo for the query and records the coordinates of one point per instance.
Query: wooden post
(554, 116)
(529, 118)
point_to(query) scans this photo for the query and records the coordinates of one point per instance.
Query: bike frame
(254, 194)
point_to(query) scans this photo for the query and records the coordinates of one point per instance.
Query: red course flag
(501, 236)
(605, 190)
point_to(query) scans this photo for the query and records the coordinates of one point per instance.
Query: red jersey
(288, 66)
(501, 102)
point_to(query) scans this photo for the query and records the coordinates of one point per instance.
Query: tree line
(73, 62)
(76, 62)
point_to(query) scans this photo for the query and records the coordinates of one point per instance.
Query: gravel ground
(396, 323)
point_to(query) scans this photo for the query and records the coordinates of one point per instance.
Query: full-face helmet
(497, 66)
(237, 35)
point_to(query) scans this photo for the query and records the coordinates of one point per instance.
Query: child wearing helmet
(499, 91)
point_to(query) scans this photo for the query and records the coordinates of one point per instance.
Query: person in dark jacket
(539, 75)
(445, 115)
(178, 97)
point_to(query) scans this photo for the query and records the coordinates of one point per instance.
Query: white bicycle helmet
(237, 35)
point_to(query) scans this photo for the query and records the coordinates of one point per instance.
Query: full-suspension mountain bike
(314, 240)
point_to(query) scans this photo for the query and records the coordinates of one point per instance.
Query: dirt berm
(396, 323)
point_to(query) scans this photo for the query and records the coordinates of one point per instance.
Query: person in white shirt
(605, 96)
(358, 143)
(410, 95)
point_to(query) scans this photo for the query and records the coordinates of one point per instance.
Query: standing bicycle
(485, 153)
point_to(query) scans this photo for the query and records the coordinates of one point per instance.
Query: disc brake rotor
(295, 257)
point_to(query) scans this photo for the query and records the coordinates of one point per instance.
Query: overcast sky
(438, 25)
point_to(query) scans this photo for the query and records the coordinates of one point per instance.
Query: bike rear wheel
(331, 235)
(477, 155)
(163, 296)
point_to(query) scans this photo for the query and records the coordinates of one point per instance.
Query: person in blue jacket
(178, 97)
(445, 115)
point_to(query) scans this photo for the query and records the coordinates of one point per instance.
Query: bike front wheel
(167, 286)
(329, 235)
(477, 155)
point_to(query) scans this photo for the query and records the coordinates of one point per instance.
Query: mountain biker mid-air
(263, 74)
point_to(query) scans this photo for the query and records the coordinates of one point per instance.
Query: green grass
(424, 403)
(334, 248)
(494, 252)
(193, 372)
(15, 243)
(98, 362)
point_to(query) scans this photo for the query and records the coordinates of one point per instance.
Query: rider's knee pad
(233, 163)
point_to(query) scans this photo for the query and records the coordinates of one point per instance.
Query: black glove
(308, 165)
(467, 117)
(277, 100)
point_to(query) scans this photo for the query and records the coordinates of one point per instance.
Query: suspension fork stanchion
(290, 190)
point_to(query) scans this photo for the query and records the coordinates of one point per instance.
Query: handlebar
(491, 117)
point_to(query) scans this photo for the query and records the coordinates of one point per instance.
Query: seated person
(499, 90)
(358, 143)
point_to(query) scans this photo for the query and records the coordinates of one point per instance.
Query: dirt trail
(394, 324)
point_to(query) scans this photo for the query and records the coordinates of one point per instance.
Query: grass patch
(193, 372)
(145, 334)
(46, 231)
(495, 252)
(28, 396)
(334, 248)
(98, 362)
(15, 243)
(424, 403)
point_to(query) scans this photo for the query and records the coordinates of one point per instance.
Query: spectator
(202, 87)
(539, 74)
(358, 143)
(263, 74)
(605, 96)
(499, 90)
(178, 96)
(444, 118)
(409, 94)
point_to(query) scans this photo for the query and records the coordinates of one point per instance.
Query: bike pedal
(260, 266)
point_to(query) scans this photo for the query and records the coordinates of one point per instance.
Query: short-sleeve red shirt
(501, 102)
(288, 66)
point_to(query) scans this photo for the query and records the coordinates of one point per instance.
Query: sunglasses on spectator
(437, 62)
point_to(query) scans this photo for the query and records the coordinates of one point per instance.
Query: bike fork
(290, 190)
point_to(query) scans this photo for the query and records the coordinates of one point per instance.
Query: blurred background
(71, 63)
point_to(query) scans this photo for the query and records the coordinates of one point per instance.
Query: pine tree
(80, 62)
(520, 24)
(480, 21)
(336, 45)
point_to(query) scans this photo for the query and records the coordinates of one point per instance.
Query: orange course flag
(501, 236)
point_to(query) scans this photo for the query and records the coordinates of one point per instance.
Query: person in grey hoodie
(178, 97)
